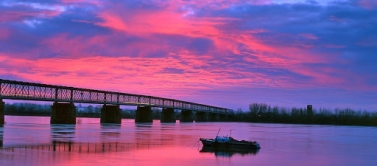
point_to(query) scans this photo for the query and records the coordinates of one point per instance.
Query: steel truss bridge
(18, 90)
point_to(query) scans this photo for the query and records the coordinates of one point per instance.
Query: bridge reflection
(110, 130)
(83, 147)
(109, 140)
(63, 133)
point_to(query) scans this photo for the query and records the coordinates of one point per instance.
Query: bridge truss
(19, 90)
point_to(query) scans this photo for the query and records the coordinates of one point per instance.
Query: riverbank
(258, 113)
(263, 113)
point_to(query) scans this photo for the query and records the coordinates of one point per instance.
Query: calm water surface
(33, 141)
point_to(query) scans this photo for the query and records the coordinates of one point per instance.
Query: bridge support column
(167, 115)
(2, 105)
(201, 117)
(111, 114)
(143, 114)
(213, 117)
(186, 116)
(230, 118)
(223, 117)
(63, 113)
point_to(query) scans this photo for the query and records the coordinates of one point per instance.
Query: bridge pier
(186, 116)
(2, 105)
(229, 118)
(63, 113)
(213, 117)
(143, 114)
(223, 117)
(167, 115)
(201, 117)
(111, 114)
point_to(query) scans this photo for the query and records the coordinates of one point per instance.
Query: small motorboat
(229, 143)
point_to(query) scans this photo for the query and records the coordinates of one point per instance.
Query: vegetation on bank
(259, 112)
(27, 109)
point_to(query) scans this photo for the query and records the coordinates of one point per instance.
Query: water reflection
(110, 130)
(81, 147)
(67, 138)
(63, 132)
(91, 139)
(89, 143)
(219, 152)
(143, 125)
(1, 136)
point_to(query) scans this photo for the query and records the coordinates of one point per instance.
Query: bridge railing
(19, 90)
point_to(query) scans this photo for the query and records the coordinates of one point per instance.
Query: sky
(226, 53)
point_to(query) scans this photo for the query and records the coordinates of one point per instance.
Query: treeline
(259, 112)
(27, 109)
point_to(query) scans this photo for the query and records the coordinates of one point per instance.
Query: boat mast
(218, 132)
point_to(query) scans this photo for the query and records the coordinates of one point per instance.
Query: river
(33, 141)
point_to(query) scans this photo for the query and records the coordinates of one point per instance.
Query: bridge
(63, 110)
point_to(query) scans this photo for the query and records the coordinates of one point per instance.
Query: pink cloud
(368, 4)
(120, 74)
(170, 22)
(158, 22)
(309, 36)
(114, 22)
(18, 15)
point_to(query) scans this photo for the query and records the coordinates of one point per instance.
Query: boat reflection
(229, 152)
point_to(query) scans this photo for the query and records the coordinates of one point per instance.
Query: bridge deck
(19, 90)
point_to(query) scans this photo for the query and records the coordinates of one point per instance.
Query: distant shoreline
(258, 113)
(263, 113)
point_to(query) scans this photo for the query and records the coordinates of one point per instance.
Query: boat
(229, 143)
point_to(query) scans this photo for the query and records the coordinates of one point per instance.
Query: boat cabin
(222, 139)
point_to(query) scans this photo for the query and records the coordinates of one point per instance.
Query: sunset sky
(226, 53)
